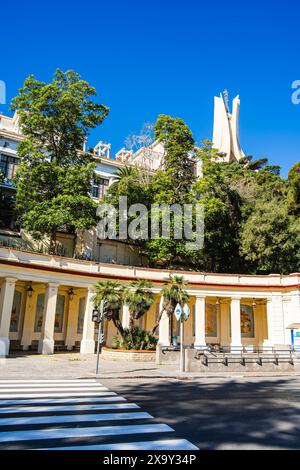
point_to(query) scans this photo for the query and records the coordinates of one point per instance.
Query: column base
(236, 348)
(4, 346)
(164, 343)
(46, 346)
(87, 347)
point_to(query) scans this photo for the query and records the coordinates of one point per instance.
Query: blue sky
(171, 57)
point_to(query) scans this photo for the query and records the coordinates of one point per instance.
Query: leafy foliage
(250, 212)
(54, 178)
(137, 295)
(173, 292)
(112, 293)
(139, 298)
(136, 339)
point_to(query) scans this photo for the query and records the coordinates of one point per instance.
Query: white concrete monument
(226, 128)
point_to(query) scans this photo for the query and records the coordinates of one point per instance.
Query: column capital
(11, 280)
(53, 285)
(200, 296)
(235, 297)
(91, 290)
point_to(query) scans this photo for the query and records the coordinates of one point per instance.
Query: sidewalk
(75, 365)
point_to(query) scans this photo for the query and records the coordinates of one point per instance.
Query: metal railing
(243, 355)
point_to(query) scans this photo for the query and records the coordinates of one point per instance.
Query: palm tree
(112, 293)
(123, 173)
(139, 298)
(173, 293)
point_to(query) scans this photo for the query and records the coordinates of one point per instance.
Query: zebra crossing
(78, 414)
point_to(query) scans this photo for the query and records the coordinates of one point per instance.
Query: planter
(131, 355)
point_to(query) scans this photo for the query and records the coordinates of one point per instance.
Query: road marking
(55, 389)
(50, 386)
(81, 418)
(44, 409)
(67, 407)
(107, 396)
(61, 433)
(4, 396)
(48, 381)
(165, 444)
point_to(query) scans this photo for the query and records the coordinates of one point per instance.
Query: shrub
(135, 338)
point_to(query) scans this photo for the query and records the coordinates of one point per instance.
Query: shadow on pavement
(224, 414)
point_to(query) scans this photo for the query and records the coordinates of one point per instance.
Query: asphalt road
(234, 413)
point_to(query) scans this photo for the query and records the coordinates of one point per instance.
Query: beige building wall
(275, 299)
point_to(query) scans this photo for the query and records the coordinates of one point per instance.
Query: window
(81, 309)
(100, 187)
(8, 165)
(16, 311)
(59, 315)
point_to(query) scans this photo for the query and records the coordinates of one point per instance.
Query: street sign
(178, 312)
(297, 339)
(182, 314)
(186, 311)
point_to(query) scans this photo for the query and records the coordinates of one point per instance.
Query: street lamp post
(181, 362)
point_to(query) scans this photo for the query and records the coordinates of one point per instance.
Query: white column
(200, 342)
(275, 322)
(28, 324)
(6, 303)
(46, 343)
(164, 327)
(87, 345)
(125, 316)
(235, 316)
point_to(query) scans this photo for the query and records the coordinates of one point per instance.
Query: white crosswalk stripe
(79, 415)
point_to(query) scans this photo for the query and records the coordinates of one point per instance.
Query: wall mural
(247, 321)
(80, 319)
(16, 312)
(211, 321)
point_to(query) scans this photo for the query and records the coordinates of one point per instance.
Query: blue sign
(178, 312)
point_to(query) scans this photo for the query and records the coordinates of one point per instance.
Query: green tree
(179, 161)
(171, 185)
(270, 238)
(294, 189)
(173, 292)
(54, 177)
(222, 215)
(112, 293)
(139, 298)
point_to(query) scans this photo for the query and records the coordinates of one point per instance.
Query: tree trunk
(131, 322)
(118, 324)
(156, 325)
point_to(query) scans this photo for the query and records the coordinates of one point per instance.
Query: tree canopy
(250, 211)
(54, 177)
